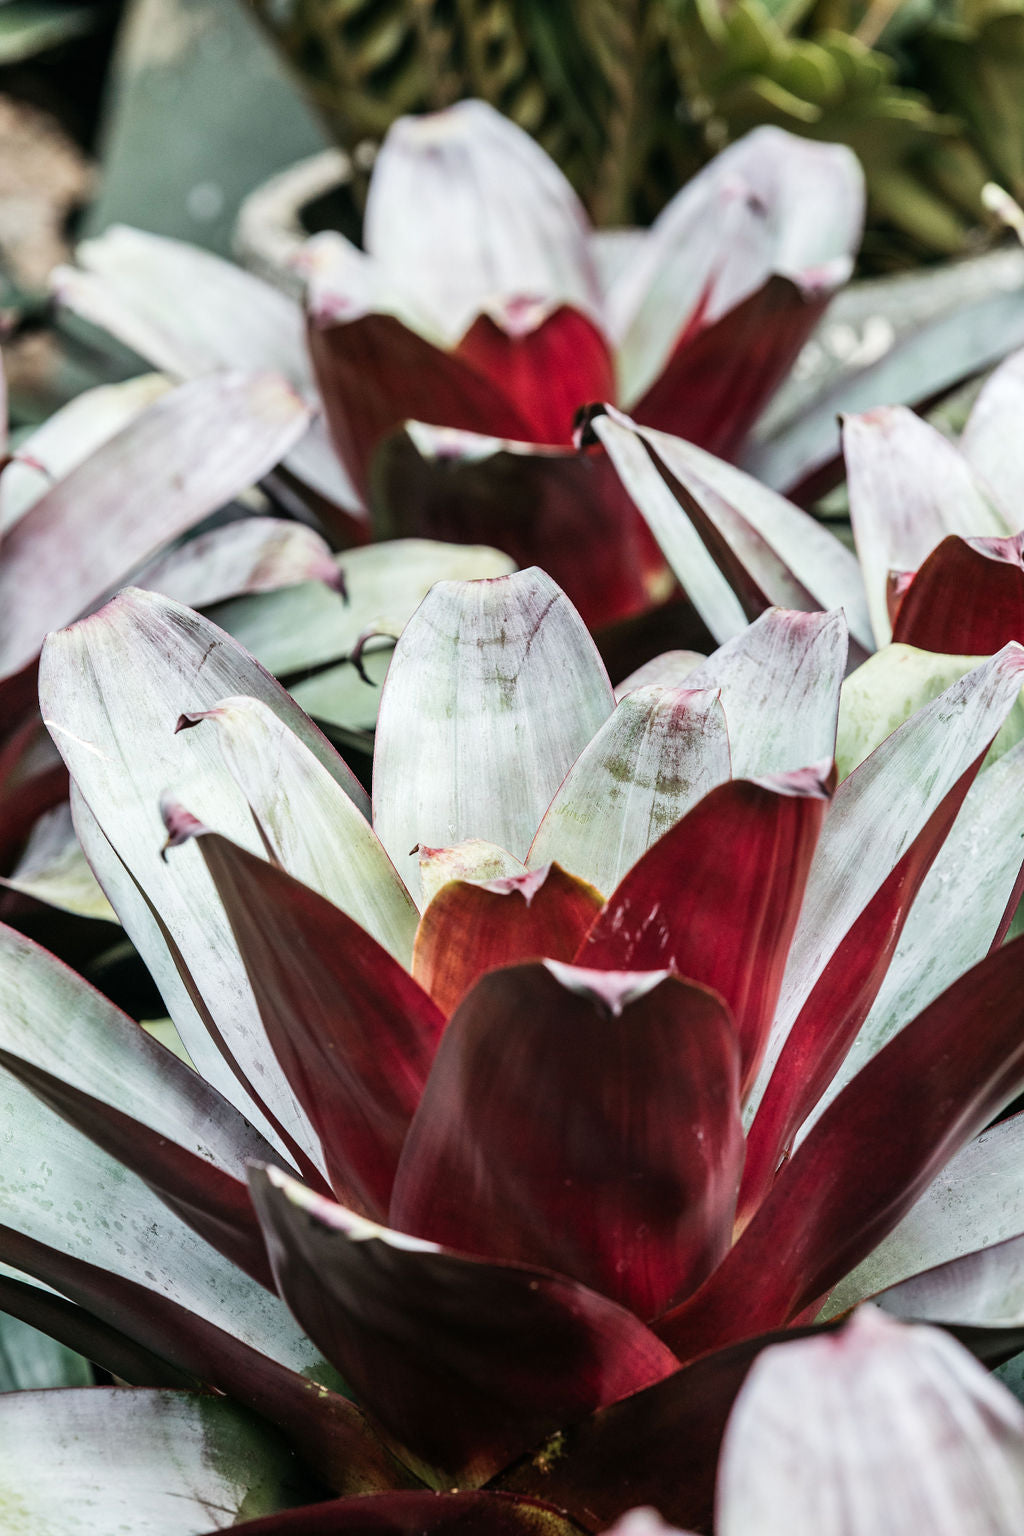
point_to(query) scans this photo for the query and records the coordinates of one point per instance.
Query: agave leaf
(184, 457)
(471, 926)
(494, 689)
(254, 554)
(352, 1031)
(909, 486)
(979, 867)
(659, 753)
(779, 681)
(469, 1363)
(181, 1459)
(716, 899)
(770, 551)
(307, 822)
(885, 804)
(973, 1203)
(69, 436)
(860, 1169)
(620, 1094)
(130, 1095)
(913, 1423)
(123, 754)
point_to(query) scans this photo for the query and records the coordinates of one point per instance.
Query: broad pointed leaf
(763, 544)
(585, 1121)
(560, 508)
(967, 597)
(866, 1431)
(417, 1514)
(661, 751)
(163, 1463)
(963, 906)
(183, 457)
(779, 682)
(70, 435)
(975, 1201)
(864, 1164)
(886, 804)
(468, 1363)
(254, 554)
(130, 1095)
(307, 822)
(990, 441)
(716, 899)
(494, 217)
(494, 689)
(669, 670)
(839, 1003)
(146, 661)
(980, 1295)
(61, 1190)
(470, 927)
(328, 1431)
(53, 868)
(353, 1032)
(891, 686)
(909, 487)
(658, 1447)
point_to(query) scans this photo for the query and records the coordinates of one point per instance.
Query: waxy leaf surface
(584, 1121)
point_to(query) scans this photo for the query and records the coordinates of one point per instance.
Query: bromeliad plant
(475, 1110)
(498, 311)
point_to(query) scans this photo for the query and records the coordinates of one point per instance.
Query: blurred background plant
(631, 99)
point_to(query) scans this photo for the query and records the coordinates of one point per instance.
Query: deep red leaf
(840, 1001)
(548, 368)
(468, 928)
(717, 898)
(352, 1030)
(717, 382)
(416, 1514)
(873, 1152)
(77, 1329)
(967, 598)
(659, 1447)
(375, 373)
(328, 1431)
(585, 1121)
(467, 1363)
(563, 510)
